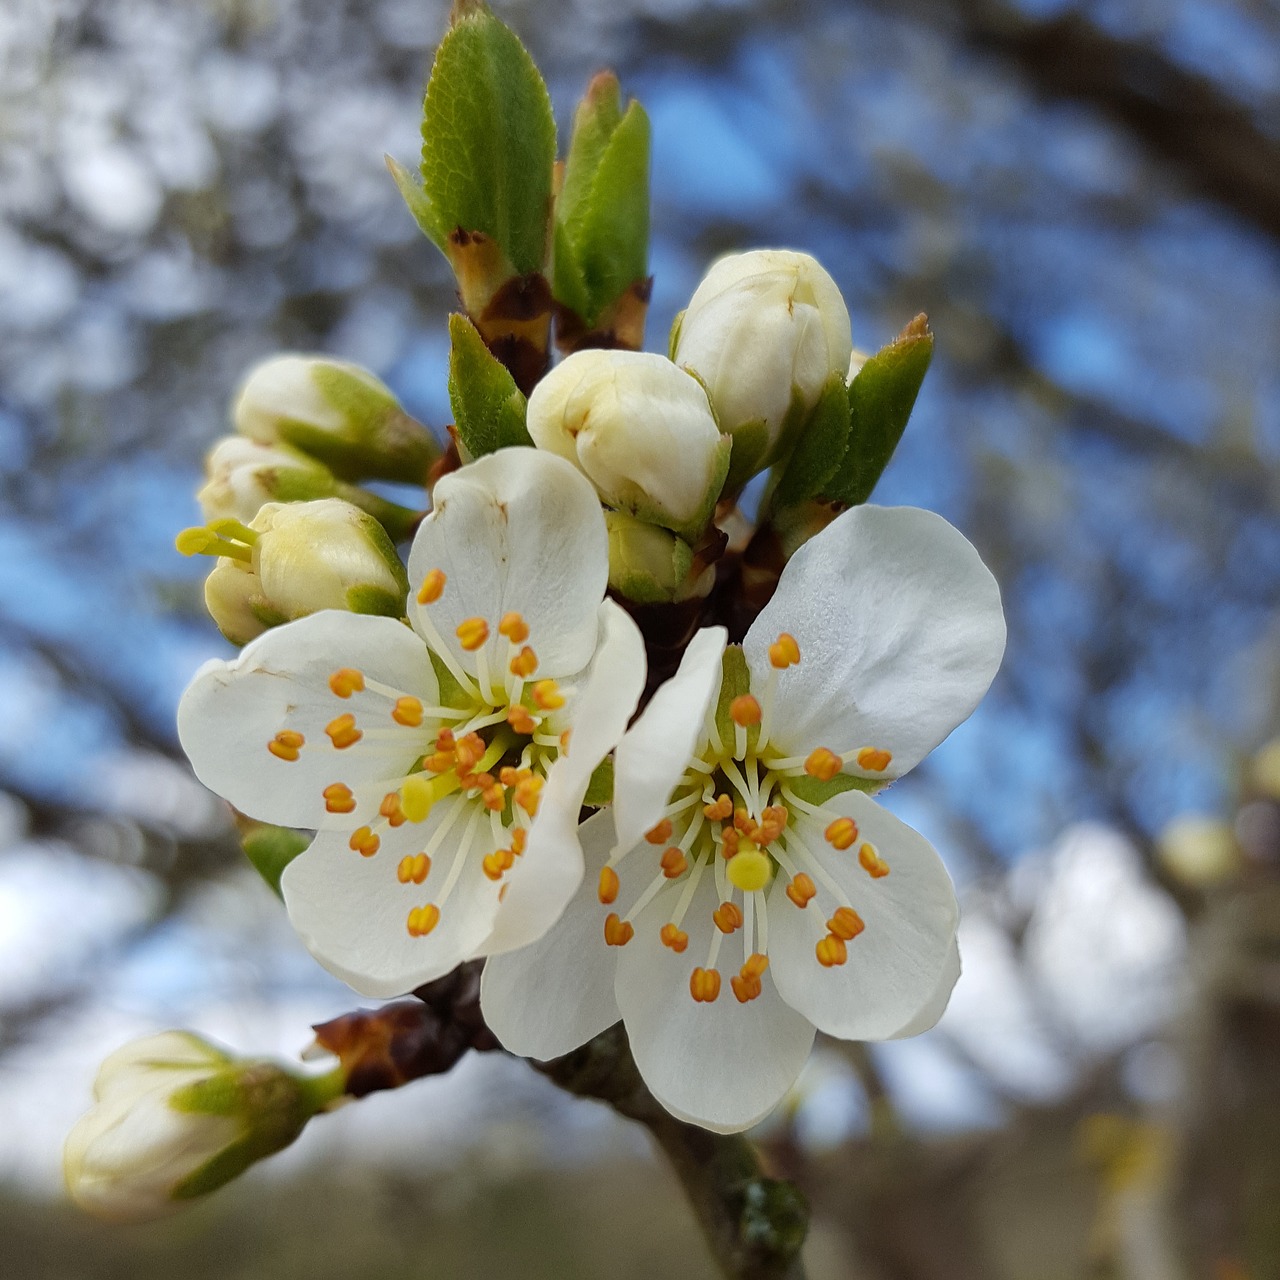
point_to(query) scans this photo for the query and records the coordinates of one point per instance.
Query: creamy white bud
(764, 331)
(639, 428)
(648, 564)
(243, 475)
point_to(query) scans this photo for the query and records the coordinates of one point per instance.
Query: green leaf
(881, 398)
(419, 203)
(488, 141)
(488, 407)
(817, 455)
(271, 849)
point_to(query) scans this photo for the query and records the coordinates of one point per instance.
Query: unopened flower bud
(175, 1117)
(337, 413)
(297, 558)
(649, 565)
(244, 475)
(640, 429)
(764, 331)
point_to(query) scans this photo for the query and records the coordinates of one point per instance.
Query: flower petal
(906, 953)
(900, 632)
(936, 1005)
(656, 750)
(545, 878)
(518, 531)
(352, 911)
(549, 998)
(724, 1065)
(232, 710)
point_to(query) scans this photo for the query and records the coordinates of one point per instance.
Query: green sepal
(750, 447)
(271, 849)
(600, 788)
(881, 398)
(488, 408)
(375, 601)
(673, 338)
(266, 613)
(735, 680)
(815, 791)
(451, 692)
(488, 141)
(822, 444)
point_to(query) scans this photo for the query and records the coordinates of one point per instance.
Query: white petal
(906, 953)
(520, 531)
(724, 1065)
(232, 710)
(900, 632)
(936, 1005)
(549, 998)
(351, 911)
(545, 878)
(656, 750)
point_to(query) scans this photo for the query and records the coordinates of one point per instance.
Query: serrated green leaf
(488, 141)
(881, 398)
(488, 407)
(817, 455)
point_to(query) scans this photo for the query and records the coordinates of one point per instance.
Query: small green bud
(336, 413)
(650, 565)
(176, 1117)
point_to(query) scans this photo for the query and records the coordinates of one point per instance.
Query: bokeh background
(1085, 198)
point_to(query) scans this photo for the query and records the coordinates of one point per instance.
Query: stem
(754, 1225)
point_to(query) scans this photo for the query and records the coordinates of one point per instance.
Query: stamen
(841, 833)
(346, 681)
(784, 652)
(872, 863)
(519, 838)
(414, 868)
(364, 842)
(744, 711)
(520, 719)
(674, 938)
(432, 587)
(822, 764)
(423, 919)
(846, 924)
(408, 712)
(727, 917)
(718, 810)
(747, 985)
(609, 885)
(514, 627)
(527, 794)
(704, 985)
(873, 759)
(343, 732)
(497, 862)
(472, 633)
(802, 890)
(524, 664)
(617, 932)
(286, 744)
(660, 833)
(338, 798)
(674, 863)
(831, 951)
(547, 695)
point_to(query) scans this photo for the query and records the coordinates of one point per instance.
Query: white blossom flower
(436, 762)
(743, 838)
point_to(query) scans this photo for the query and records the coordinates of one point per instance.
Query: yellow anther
(784, 652)
(719, 809)
(413, 869)
(744, 823)
(831, 951)
(746, 987)
(728, 917)
(499, 861)
(408, 712)
(802, 890)
(343, 732)
(547, 695)
(674, 938)
(519, 838)
(749, 869)
(364, 842)
(346, 681)
(704, 985)
(492, 797)
(416, 797)
(528, 794)
(728, 842)
(608, 889)
(468, 750)
(432, 587)
(438, 762)
(617, 932)
(445, 741)
(514, 627)
(755, 965)
(286, 745)
(520, 719)
(524, 664)
(822, 764)
(391, 810)
(510, 777)
(846, 924)
(674, 863)
(660, 833)
(565, 735)
(744, 710)
(772, 824)
(338, 798)
(841, 833)
(472, 633)
(874, 760)
(872, 863)
(423, 919)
